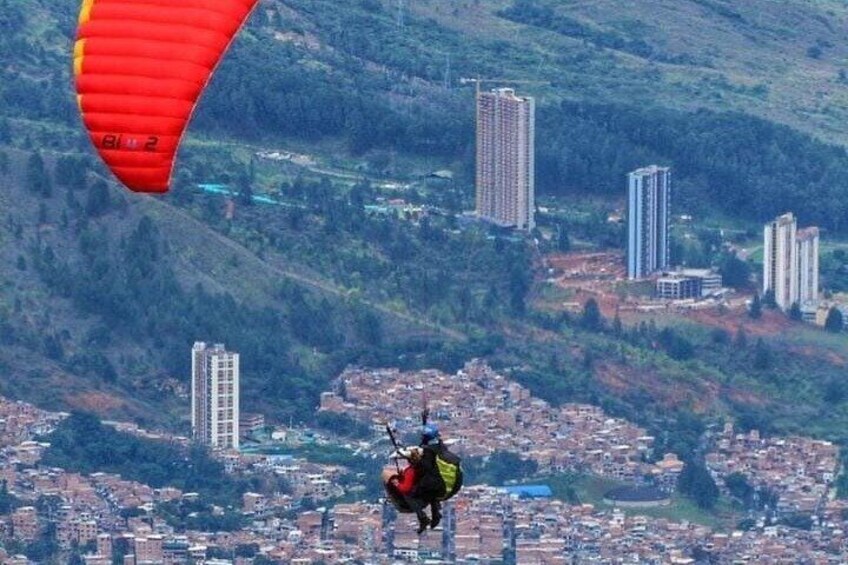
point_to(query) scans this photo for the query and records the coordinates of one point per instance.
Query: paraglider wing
(140, 67)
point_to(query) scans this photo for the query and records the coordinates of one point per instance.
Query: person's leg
(436, 512)
(417, 505)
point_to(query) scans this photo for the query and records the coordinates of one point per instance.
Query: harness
(448, 465)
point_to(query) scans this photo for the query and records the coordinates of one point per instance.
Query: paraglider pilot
(434, 474)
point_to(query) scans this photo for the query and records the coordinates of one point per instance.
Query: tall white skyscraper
(780, 273)
(506, 149)
(808, 266)
(791, 262)
(215, 396)
(648, 221)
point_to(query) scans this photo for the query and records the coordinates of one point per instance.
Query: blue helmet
(429, 434)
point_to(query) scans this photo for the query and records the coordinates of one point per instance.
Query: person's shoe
(423, 522)
(437, 517)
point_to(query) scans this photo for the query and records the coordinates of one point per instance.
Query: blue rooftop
(213, 188)
(216, 188)
(531, 491)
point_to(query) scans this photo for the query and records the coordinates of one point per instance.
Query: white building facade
(648, 221)
(791, 263)
(215, 396)
(506, 159)
(808, 267)
(779, 260)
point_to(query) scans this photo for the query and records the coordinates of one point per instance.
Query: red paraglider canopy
(140, 68)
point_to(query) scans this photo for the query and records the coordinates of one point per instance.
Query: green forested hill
(103, 291)
(783, 60)
(704, 85)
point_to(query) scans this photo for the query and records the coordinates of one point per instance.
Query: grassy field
(591, 490)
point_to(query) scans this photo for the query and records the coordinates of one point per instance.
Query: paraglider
(432, 476)
(140, 67)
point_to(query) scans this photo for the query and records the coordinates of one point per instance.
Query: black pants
(411, 505)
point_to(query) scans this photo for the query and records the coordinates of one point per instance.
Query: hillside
(104, 291)
(745, 117)
(782, 60)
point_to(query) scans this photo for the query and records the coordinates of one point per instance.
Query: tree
(182, 189)
(81, 443)
(37, 180)
(563, 241)
(835, 322)
(738, 485)
(53, 348)
(696, 482)
(741, 339)
(367, 325)
(8, 502)
(835, 391)
(75, 558)
(591, 319)
(735, 273)
(45, 546)
(617, 326)
(756, 309)
(98, 201)
(798, 521)
(720, 336)
(769, 299)
(519, 286)
(247, 550)
(342, 425)
(501, 467)
(71, 172)
(677, 346)
(245, 186)
(762, 356)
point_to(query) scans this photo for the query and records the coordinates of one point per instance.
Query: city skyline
(505, 179)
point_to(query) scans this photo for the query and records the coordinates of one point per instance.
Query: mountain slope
(782, 60)
(105, 291)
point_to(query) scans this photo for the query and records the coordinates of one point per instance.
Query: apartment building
(648, 221)
(791, 263)
(215, 396)
(506, 158)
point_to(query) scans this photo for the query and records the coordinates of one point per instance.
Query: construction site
(574, 278)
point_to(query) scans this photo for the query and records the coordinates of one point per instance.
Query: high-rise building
(648, 221)
(779, 260)
(791, 262)
(506, 129)
(808, 266)
(215, 396)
